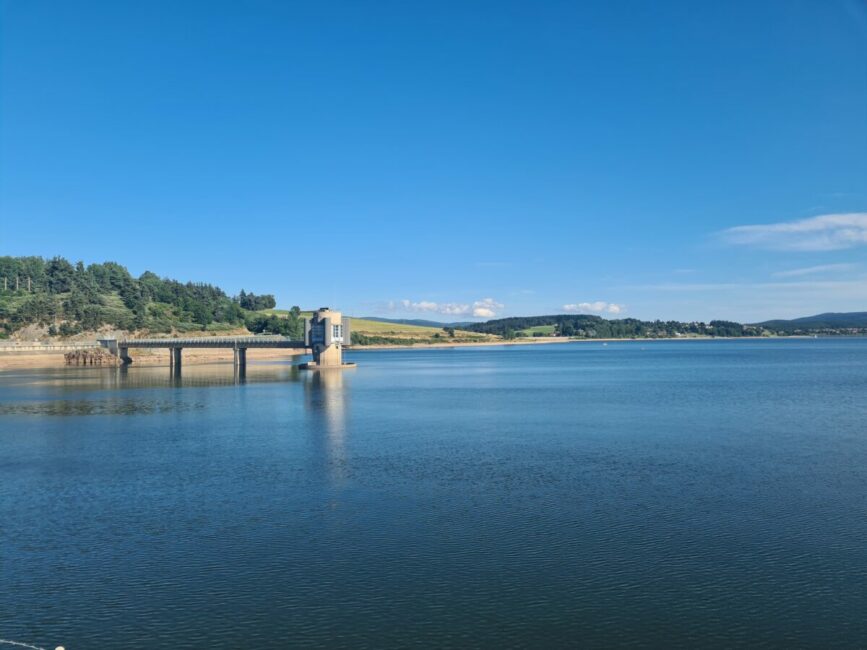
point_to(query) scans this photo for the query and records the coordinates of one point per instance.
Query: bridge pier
(326, 335)
(175, 359)
(240, 361)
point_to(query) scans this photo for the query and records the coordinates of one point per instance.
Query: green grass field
(543, 330)
(395, 330)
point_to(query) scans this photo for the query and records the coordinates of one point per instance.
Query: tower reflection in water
(325, 397)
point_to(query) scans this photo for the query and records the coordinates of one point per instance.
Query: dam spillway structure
(326, 334)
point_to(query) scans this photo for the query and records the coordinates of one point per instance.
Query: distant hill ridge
(830, 320)
(418, 322)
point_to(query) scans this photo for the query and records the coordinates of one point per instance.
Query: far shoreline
(196, 357)
(548, 340)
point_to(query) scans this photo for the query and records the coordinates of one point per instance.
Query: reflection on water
(685, 494)
(99, 391)
(72, 392)
(325, 398)
(150, 377)
(97, 407)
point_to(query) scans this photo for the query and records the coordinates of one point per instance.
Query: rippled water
(639, 493)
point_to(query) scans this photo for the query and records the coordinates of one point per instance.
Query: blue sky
(453, 159)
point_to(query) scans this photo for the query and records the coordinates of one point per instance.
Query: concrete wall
(327, 350)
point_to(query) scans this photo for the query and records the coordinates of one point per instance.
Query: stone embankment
(89, 358)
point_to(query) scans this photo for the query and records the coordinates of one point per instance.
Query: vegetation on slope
(371, 331)
(68, 299)
(595, 327)
(846, 322)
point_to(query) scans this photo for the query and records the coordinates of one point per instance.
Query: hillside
(52, 298)
(421, 322)
(844, 320)
(372, 331)
(594, 327)
(56, 298)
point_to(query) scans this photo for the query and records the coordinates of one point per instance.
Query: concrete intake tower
(325, 334)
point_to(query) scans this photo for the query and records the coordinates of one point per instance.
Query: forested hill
(595, 327)
(846, 320)
(66, 299)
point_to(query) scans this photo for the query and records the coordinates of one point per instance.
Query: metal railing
(214, 342)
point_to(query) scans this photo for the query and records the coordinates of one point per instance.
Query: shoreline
(553, 339)
(148, 358)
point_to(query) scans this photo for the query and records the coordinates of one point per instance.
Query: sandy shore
(195, 356)
(146, 358)
(470, 344)
(541, 340)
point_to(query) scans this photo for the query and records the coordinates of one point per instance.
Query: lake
(676, 493)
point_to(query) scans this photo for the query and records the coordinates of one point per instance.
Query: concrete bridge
(240, 345)
(326, 334)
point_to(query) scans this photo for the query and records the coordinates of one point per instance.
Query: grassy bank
(370, 332)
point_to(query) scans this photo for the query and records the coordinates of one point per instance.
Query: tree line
(70, 298)
(595, 327)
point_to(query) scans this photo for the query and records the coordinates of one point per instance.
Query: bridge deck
(40, 347)
(231, 342)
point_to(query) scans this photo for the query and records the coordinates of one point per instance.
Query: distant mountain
(420, 322)
(820, 321)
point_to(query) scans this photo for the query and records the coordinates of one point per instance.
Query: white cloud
(814, 270)
(598, 307)
(453, 309)
(826, 232)
(484, 308)
(419, 306)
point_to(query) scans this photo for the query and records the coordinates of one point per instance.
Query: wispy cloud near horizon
(749, 301)
(598, 307)
(858, 282)
(484, 308)
(827, 232)
(815, 270)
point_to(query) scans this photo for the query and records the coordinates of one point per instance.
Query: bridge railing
(204, 339)
(207, 342)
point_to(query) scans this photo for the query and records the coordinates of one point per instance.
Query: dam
(326, 334)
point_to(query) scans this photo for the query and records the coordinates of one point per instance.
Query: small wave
(22, 645)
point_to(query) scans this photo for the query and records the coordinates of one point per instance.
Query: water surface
(635, 493)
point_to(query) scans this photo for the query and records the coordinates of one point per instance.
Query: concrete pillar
(330, 356)
(240, 365)
(240, 359)
(176, 360)
(123, 353)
